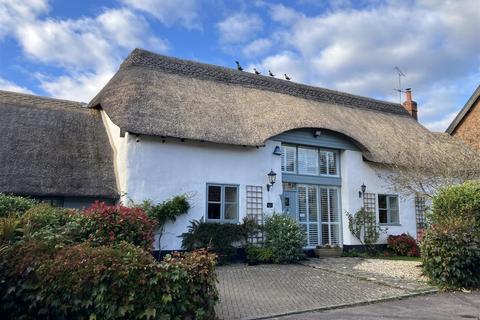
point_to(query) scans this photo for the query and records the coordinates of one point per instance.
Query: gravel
(407, 270)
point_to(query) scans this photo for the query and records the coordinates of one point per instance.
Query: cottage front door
(290, 203)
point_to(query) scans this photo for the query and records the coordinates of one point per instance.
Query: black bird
(256, 71)
(271, 74)
(239, 67)
(287, 77)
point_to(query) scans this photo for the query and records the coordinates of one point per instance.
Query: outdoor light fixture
(317, 133)
(362, 192)
(277, 151)
(272, 177)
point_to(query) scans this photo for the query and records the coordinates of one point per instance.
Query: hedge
(60, 264)
(14, 205)
(450, 247)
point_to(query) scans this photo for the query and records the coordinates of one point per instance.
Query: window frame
(223, 202)
(319, 151)
(388, 209)
(295, 159)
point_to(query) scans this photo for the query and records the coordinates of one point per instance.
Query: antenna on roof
(399, 89)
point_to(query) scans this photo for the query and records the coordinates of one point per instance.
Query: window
(307, 161)
(222, 202)
(388, 209)
(328, 163)
(289, 158)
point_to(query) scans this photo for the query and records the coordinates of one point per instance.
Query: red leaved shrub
(403, 245)
(112, 224)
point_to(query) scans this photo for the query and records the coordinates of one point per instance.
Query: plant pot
(328, 252)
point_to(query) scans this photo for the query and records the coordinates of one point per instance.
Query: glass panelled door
(318, 214)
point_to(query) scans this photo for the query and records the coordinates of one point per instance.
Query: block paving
(256, 292)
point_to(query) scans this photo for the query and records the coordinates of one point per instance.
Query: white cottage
(177, 126)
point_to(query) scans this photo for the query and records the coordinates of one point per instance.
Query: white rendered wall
(158, 171)
(356, 172)
(150, 169)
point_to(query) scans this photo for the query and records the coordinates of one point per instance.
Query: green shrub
(165, 212)
(222, 238)
(458, 201)
(113, 224)
(451, 245)
(14, 205)
(284, 238)
(255, 255)
(403, 245)
(9, 229)
(52, 224)
(105, 282)
(451, 255)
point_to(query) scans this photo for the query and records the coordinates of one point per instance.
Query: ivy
(363, 226)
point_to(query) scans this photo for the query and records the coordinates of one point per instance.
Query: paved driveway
(252, 292)
(440, 306)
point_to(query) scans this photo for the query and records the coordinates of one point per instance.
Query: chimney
(409, 104)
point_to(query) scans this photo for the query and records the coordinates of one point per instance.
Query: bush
(451, 255)
(14, 205)
(451, 245)
(105, 282)
(458, 201)
(113, 224)
(255, 255)
(222, 238)
(403, 245)
(284, 238)
(165, 212)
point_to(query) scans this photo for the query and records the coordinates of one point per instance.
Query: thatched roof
(53, 147)
(162, 96)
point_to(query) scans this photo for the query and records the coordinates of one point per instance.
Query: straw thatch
(53, 147)
(162, 96)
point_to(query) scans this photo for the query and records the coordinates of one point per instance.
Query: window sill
(390, 224)
(222, 221)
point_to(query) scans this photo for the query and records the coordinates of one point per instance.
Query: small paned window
(222, 202)
(289, 159)
(388, 209)
(328, 163)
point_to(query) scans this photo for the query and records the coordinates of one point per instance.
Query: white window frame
(319, 151)
(337, 162)
(388, 209)
(222, 203)
(284, 158)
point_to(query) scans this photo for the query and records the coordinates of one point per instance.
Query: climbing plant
(363, 226)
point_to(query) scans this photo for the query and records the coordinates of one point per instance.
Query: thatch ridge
(153, 61)
(53, 147)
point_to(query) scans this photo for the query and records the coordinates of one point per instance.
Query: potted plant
(328, 250)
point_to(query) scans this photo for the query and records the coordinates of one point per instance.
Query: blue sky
(70, 49)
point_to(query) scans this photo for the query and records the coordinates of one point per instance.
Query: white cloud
(81, 86)
(257, 47)
(239, 28)
(10, 86)
(14, 12)
(89, 49)
(442, 124)
(435, 43)
(170, 12)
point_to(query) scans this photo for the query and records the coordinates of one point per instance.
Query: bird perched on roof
(287, 77)
(271, 74)
(256, 71)
(239, 67)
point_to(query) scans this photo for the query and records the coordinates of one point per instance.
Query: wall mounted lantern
(363, 188)
(272, 177)
(317, 133)
(277, 151)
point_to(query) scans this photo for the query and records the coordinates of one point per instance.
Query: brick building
(466, 124)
